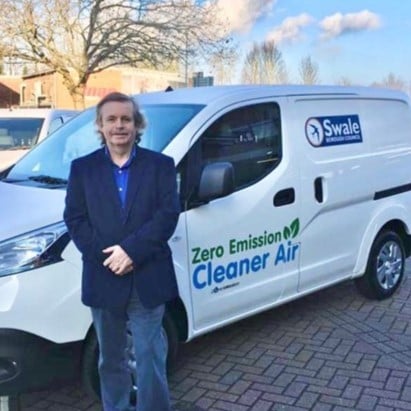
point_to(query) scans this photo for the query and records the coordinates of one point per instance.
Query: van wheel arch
(385, 266)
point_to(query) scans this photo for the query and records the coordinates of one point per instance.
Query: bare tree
(77, 38)
(344, 81)
(264, 64)
(308, 70)
(394, 82)
(222, 65)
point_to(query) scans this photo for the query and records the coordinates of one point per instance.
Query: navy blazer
(96, 219)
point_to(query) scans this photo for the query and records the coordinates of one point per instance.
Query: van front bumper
(31, 363)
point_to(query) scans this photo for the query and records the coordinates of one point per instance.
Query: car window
(249, 138)
(19, 133)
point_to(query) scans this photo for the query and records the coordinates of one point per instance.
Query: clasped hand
(118, 261)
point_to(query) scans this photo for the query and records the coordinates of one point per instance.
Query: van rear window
(19, 133)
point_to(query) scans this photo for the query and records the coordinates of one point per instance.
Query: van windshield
(48, 163)
(19, 133)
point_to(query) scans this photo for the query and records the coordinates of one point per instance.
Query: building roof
(41, 73)
(11, 82)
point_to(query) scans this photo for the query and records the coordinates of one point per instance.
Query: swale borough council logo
(314, 132)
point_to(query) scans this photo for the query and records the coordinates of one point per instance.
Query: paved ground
(333, 350)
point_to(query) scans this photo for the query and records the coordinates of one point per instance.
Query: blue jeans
(150, 349)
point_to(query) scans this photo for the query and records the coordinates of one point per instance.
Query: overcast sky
(363, 40)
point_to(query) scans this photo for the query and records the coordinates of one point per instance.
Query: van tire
(89, 372)
(172, 340)
(385, 267)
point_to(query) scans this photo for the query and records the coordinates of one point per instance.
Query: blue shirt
(121, 175)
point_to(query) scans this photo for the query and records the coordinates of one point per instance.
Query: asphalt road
(333, 350)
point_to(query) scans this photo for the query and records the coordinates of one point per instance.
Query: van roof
(32, 112)
(207, 94)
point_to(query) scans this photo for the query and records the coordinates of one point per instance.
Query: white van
(284, 190)
(22, 128)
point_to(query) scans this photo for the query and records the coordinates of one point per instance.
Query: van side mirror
(217, 180)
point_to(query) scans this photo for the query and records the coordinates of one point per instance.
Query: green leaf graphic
(286, 233)
(295, 227)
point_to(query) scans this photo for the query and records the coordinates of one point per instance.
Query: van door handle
(318, 189)
(284, 197)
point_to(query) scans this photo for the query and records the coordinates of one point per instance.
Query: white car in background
(23, 128)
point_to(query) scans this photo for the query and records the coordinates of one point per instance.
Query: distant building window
(23, 94)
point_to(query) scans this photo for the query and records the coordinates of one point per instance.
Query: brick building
(9, 91)
(46, 89)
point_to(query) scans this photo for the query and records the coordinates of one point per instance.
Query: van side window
(248, 137)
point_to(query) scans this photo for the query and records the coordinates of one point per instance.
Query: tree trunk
(77, 95)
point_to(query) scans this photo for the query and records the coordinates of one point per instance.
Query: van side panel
(390, 145)
(365, 151)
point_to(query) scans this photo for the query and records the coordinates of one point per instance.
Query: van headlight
(33, 249)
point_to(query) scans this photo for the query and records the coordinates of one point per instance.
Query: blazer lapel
(135, 178)
(109, 185)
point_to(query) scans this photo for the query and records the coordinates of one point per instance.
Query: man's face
(116, 123)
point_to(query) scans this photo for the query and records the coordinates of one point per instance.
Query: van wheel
(385, 267)
(89, 372)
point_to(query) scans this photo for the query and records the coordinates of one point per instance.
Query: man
(121, 208)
